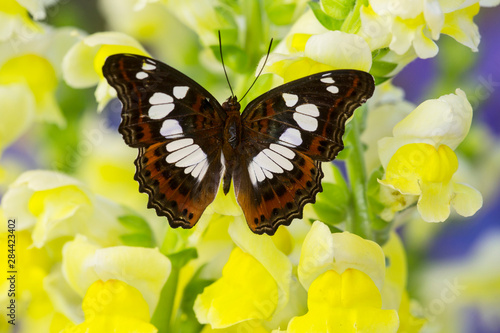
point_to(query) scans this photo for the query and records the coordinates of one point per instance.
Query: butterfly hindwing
(177, 126)
(274, 184)
(287, 133)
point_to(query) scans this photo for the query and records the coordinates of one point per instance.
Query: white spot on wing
(160, 111)
(194, 157)
(178, 144)
(333, 89)
(256, 170)
(291, 137)
(148, 67)
(171, 128)
(251, 173)
(290, 99)
(265, 162)
(180, 92)
(200, 169)
(288, 153)
(180, 154)
(305, 122)
(190, 169)
(278, 159)
(160, 98)
(308, 109)
(141, 75)
(327, 80)
(267, 174)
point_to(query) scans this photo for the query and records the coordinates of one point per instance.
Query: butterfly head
(231, 105)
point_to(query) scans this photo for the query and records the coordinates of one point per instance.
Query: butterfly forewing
(177, 126)
(287, 132)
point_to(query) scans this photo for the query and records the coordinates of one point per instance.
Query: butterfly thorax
(232, 138)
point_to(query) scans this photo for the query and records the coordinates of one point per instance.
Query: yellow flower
(54, 205)
(236, 297)
(322, 251)
(311, 54)
(39, 76)
(405, 26)
(347, 302)
(408, 323)
(15, 20)
(33, 303)
(114, 306)
(85, 262)
(82, 65)
(16, 97)
(419, 158)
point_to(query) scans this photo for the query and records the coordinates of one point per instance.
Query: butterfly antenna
(222, 60)
(264, 65)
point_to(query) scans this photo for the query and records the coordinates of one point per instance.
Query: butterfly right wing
(177, 126)
(287, 133)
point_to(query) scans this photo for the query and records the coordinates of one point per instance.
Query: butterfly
(188, 142)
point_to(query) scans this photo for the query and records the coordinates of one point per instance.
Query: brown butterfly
(272, 151)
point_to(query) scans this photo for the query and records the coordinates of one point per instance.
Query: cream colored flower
(85, 262)
(419, 158)
(322, 251)
(309, 54)
(54, 205)
(82, 65)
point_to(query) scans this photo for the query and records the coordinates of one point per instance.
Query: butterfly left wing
(287, 133)
(177, 127)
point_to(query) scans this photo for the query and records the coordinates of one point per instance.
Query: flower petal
(434, 203)
(337, 303)
(322, 251)
(466, 199)
(144, 268)
(245, 291)
(339, 50)
(459, 25)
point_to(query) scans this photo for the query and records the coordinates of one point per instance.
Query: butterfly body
(272, 151)
(232, 139)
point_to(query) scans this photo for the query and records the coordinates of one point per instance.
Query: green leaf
(234, 57)
(380, 80)
(139, 240)
(382, 68)
(380, 227)
(280, 12)
(327, 21)
(141, 234)
(134, 222)
(332, 204)
(338, 9)
(181, 258)
(186, 321)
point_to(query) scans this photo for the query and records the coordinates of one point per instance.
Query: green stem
(355, 164)
(255, 32)
(162, 317)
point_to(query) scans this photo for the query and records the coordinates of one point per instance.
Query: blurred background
(454, 267)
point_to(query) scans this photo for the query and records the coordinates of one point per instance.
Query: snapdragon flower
(82, 65)
(405, 26)
(419, 158)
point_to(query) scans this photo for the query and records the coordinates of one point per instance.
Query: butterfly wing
(287, 133)
(177, 127)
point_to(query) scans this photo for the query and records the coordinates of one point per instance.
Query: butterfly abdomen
(231, 139)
